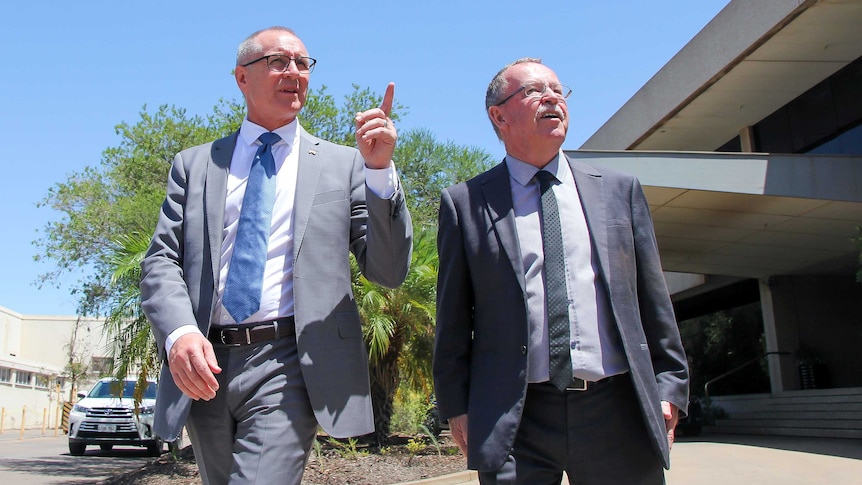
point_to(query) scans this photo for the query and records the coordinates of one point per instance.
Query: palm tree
(398, 325)
(127, 330)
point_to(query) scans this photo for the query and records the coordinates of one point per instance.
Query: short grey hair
(250, 48)
(499, 85)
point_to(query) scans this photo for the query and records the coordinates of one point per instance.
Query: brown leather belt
(253, 333)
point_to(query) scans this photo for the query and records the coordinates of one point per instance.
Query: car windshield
(112, 389)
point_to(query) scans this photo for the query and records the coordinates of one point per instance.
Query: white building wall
(34, 353)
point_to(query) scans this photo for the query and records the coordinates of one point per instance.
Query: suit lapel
(216, 190)
(498, 201)
(591, 192)
(306, 184)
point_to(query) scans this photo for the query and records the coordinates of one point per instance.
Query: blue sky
(74, 70)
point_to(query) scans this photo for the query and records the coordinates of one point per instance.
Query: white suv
(106, 417)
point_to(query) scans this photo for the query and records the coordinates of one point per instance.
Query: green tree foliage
(721, 341)
(427, 166)
(398, 325)
(120, 196)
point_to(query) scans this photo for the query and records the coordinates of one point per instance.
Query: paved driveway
(46, 460)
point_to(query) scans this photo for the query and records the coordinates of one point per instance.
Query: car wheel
(154, 448)
(77, 449)
(106, 447)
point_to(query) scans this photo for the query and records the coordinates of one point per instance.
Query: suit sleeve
(453, 339)
(164, 294)
(656, 309)
(381, 231)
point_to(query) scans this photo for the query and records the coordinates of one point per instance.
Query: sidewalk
(30, 433)
(750, 460)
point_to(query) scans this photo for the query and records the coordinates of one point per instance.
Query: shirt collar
(523, 172)
(250, 132)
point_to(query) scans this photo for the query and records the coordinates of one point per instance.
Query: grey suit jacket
(334, 215)
(480, 363)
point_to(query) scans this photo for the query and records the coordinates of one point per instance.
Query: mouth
(553, 115)
(289, 89)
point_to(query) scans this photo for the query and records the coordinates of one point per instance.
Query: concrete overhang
(751, 59)
(748, 215)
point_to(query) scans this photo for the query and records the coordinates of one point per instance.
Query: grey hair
(250, 47)
(500, 85)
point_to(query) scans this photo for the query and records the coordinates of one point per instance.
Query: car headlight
(80, 409)
(146, 409)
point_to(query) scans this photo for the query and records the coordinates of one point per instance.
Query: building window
(102, 366)
(23, 378)
(5, 374)
(43, 381)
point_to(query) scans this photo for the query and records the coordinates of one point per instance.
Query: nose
(292, 70)
(548, 95)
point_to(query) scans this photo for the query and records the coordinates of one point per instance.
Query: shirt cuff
(176, 334)
(383, 182)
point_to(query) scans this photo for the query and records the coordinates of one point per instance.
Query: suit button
(524, 349)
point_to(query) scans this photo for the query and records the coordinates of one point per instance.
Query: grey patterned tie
(556, 297)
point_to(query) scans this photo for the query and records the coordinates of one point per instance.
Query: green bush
(410, 411)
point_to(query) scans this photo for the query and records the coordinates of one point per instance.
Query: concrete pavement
(706, 460)
(749, 460)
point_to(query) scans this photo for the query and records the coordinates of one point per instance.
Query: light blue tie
(242, 291)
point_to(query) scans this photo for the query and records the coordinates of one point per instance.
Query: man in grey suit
(252, 386)
(598, 395)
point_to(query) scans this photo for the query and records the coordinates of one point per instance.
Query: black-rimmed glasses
(538, 90)
(280, 63)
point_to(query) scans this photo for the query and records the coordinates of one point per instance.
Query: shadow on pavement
(95, 464)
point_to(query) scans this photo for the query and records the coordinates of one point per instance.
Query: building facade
(37, 356)
(749, 145)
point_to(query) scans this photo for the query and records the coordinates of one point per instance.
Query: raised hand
(375, 133)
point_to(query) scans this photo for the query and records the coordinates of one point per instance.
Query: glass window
(5, 374)
(847, 143)
(23, 378)
(43, 381)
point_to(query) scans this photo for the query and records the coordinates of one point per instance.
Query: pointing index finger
(386, 105)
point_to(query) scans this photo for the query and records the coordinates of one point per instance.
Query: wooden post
(44, 420)
(2, 419)
(23, 420)
(58, 416)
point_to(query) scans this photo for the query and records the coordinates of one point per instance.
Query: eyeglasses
(539, 90)
(280, 63)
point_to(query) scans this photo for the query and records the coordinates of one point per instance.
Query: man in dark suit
(255, 361)
(556, 348)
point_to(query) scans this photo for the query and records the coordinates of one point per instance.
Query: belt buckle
(224, 331)
(577, 385)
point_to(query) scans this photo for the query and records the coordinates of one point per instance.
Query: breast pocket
(330, 196)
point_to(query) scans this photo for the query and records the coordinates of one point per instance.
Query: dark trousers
(597, 436)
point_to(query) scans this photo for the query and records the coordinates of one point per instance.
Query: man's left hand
(375, 133)
(671, 416)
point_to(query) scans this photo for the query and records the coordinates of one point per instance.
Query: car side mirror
(81, 395)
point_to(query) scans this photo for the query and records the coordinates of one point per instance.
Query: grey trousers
(598, 437)
(260, 426)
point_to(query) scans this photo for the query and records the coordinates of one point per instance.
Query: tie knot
(545, 178)
(269, 138)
